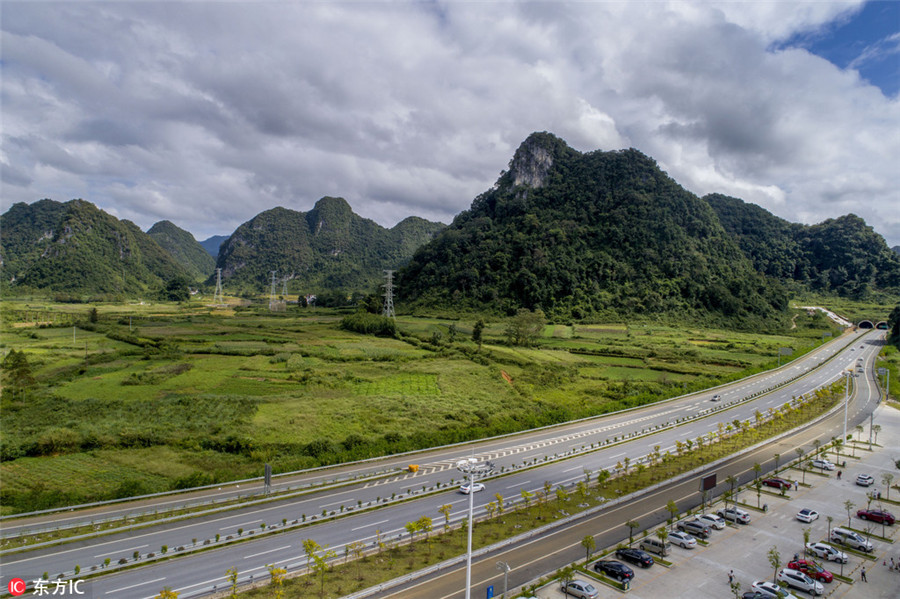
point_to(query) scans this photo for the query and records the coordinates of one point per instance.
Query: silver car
(682, 539)
(580, 588)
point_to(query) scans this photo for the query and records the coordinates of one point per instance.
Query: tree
(424, 524)
(566, 575)
(167, 593)
(277, 580)
(445, 510)
(525, 327)
(632, 525)
(875, 429)
(233, 579)
(672, 508)
(887, 480)
(774, 560)
(756, 470)
(499, 503)
(800, 452)
(758, 486)
(589, 545)
(16, 371)
(478, 331)
(310, 548)
(829, 519)
(320, 565)
(807, 531)
(849, 505)
(777, 457)
(662, 533)
(412, 528)
(526, 497)
(356, 550)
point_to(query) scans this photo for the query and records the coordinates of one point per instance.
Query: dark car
(878, 516)
(694, 527)
(778, 483)
(614, 569)
(811, 569)
(635, 556)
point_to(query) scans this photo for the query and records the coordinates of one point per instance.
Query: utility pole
(388, 294)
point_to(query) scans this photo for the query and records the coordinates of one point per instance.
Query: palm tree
(632, 524)
(886, 479)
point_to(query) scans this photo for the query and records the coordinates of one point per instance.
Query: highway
(193, 575)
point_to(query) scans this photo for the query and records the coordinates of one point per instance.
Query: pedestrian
(892, 564)
(731, 577)
(839, 475)
(862, 575)
(796, 485)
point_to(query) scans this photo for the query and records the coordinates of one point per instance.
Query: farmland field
(150, 398)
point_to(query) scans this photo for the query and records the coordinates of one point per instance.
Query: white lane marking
(368, 525)
(269, 551)
(135, 585)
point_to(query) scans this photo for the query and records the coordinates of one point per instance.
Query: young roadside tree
(774, 560)
(887, 479)
(425, 525)
(589, 544)
(672, 508)
(807, 531)
(232, 574)
(412, 528)
(662, 533)
(167, 593)
(277, 580)
(320, 566)
(445, 510)
(499, 504)
(310, 548)
(632, 525)
(848, 505)
(356, 550)
(829, 519)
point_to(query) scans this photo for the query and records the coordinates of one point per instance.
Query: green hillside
(75, 247)
(844, 256)
(327, 248)
(588, 236)
(182, 246)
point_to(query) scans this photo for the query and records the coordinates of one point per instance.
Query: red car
(778, 483)
(811, 569)
(878, 516)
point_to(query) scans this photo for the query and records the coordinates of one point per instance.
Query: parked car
(812, 569)
(878, 516)
(464, 488)
(798, 580)
(865, 480)
(614, 569)
(654, 545)
(827, 552)
(778, 483)
(682, 539)
(823, 464)
(770, 590)
(580, 588)
(635, 556)
(807, 515)
(851, 539)
(735, 514)
(694, 527)
(712, 521)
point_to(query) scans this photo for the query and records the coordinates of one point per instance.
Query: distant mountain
(211, 245)
(896, 249)
(76, 247)
(585, 236)
(842, 255)
(327, 248)
(182, 246)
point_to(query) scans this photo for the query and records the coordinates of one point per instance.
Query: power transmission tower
(218, 300)
(284, 289)
(274, 304)
(388, 294)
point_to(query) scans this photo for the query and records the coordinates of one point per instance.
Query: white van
(656, 546)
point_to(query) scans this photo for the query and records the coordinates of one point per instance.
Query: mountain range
(578, 235)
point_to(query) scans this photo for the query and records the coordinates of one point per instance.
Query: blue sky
(867, 40)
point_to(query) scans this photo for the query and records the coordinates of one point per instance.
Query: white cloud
(207, 113)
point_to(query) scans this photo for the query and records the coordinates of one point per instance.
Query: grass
(227, 391)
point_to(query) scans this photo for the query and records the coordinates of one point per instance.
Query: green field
(155, 397)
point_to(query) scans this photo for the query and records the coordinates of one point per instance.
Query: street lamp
(504, 567)
(848, 374)
(473, 469)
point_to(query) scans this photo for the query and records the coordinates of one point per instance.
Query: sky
(208, 113)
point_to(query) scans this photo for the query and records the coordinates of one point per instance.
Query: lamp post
(504, 567)
(848, 374)
(473, 469)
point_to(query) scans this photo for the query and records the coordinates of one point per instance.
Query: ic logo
(16, 587)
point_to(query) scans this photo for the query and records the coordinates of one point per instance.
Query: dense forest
(844, 256)
(590, 236)
(327, 248)
(182, 246)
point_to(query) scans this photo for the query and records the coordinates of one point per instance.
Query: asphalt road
(196, 575)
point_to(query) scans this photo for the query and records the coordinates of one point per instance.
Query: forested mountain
(211, 245)
(587, 235)
(327, 248)
(842, 255)
(896, 249)
(76, 247)
(182, 246)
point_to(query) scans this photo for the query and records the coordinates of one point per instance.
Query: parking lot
(703, 572)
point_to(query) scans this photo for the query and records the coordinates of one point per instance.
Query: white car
(716, 398)
(771, 590)
(827, 552)
(736, 514)
(865, 480)
(823, 464)
(464, 488)
(712, 521)
(798, 580)
(807, 515)
(682, 539)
